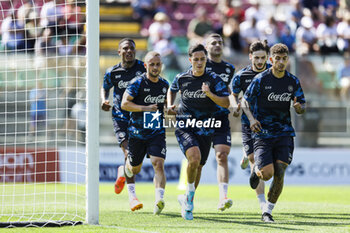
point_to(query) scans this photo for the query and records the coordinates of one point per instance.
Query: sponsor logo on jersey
(285, 97)
(147, 89)
(122, 84)
(199, 94)
(117, 76)
(154, 99)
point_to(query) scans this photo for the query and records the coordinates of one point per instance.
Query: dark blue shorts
(222, 135)
(247, 139)
(120, 130)
(269, 150)
(187, 139)
(138, 148)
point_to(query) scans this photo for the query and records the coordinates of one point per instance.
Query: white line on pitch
(125, 228)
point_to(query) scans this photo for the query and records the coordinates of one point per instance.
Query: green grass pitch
(299, 209)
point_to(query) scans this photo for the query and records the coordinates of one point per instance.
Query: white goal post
(49, 112)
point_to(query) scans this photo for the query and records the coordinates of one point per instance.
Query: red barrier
(28, 165)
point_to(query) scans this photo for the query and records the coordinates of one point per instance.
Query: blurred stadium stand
(327, 123)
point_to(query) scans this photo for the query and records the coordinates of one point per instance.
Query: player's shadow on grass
(280, 218)
(232, 218)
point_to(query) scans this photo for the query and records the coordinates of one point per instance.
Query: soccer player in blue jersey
(201, 92)
(267, 104)
(258, 55)
(118, 77)
(145, 97)
(222, 136)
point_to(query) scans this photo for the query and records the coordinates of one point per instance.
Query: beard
(262, 67)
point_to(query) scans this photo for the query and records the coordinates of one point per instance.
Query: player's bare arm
(222, 101)
(130, 106)
(236, 105)
(171, 108)
(255, 125)
(299, 108)
(105, 102)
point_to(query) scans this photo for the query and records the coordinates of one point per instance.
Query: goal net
(42, 112)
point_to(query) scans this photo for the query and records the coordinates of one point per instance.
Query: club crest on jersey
(290, 88)
(164, 90)
(228, 70)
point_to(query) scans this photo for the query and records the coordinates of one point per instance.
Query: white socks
(262, 201)
(268, 207)
(128, 172)
(131, 191)
(159, 194)
(190, 187)
(223, 190)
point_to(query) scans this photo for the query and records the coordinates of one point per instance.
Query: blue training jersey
(146, 92)
(194, 103)
(225, 71)
(241, 81)
(270, 101)
(119, 78)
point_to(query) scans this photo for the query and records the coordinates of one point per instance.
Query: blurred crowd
(48, 27)
(305, 26)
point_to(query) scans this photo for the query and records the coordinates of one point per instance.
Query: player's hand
(297, 106)
(152, 107)
(205, 88)
(255, 126)
(106, 106)
(171, 110)
(236, 112)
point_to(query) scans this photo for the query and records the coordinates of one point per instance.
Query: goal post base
(40, 224)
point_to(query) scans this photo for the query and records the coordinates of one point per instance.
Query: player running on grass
(267, 103)
(118, 77)
(258, 55)
(201, 92)
(222, 136)
(145, 97)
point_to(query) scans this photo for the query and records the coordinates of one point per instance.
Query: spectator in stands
(343, 31)
(37, 97)
(287, 38)
(254, 11)
(268, 29)
(306, 39)
(159, 29)
(249, 32)
(33, 30)
(344, 78)
(168, 51)
(51, 15)
(12, 32)
(230, 9)
(327, 36)
(313, 6)
(199, 27)
(79, 115)
(73, 17)
(45, 45)
(143, 9)
(232, 33)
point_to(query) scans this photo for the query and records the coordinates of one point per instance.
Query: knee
(193, 157)
(136, 170)
(158, 165)
(251, 158)
(265, 174)
(221, 157)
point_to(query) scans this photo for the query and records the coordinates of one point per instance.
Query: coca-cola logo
(279, 97)
(193, 94)
(122, 84)
(154, 99)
